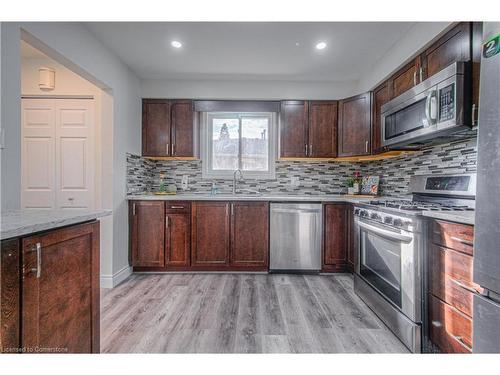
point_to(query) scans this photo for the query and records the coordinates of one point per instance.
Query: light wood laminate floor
(240, 313)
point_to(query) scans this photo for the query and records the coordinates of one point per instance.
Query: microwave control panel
(447, 103)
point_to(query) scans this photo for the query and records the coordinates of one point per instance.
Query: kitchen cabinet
(167, 128)
(249, 235)
(451, 289)
(322, 124)
(355, 126)
(406, 77)
(335, 241)
(147, 233)
(294, 129)
(178, 234)
(210, 234)
(10, 276)
(60, 290)
(380, 96)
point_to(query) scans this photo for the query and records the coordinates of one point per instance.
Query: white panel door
(74, 153)
(38, 154)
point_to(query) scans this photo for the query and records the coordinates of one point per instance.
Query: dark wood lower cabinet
(59, 284)
(178, 240)
(249, 235)
(210, 230)
(335, 241)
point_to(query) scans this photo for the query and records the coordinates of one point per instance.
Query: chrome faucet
(235, 181)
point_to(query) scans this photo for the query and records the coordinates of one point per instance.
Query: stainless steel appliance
(432, 111)
(486, 325)
(295, 241)
(390, 240)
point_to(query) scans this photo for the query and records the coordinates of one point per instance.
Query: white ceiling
(264, 51)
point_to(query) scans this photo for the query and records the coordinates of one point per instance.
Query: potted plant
(354, 183)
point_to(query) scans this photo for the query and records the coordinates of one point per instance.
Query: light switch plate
(184, 182)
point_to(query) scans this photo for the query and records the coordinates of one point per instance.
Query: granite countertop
(463, 217)
(251, 197)
(18, 223)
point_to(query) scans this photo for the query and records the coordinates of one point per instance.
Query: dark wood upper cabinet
(355, 126)
(178, 236)
(167, 128)
(293, 129)
(147, 233)
(335, 244)
(454, 46)
(182, 128)
(156, 127)
(210, 234)
(323, 129)
(381, 95)
(60, 289)
(406, 77)
(250, 235)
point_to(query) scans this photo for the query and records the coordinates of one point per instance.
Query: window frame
(206, 144)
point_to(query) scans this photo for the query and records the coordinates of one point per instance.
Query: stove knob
(356, 211)
(398, 222)
(363, 213)
(375, 216)
(388, 219)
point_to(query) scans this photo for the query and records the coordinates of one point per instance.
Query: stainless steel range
(390, 237)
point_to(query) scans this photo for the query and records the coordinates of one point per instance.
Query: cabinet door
(381, 95)
(10, 304)
(350, 238)
(182, 128)
(147, 233)
(210, 234)
(293, 129)
(355, 126)
(60, 290)
(323, 129)
(335, 237)
(178, 240)
(405, 78)
(454, 46)
(250, 235)
(156, 127)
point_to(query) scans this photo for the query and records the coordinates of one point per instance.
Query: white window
(236, 140)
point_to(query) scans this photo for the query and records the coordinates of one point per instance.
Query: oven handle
(385, 232)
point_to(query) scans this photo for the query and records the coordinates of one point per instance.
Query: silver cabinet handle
(176, 207)
(307, 153)
(232, 209)
(462, 285)
(310, 149)
(366, 146)
(421, 74)
(133, 209)
(168, 148)
(167, 222)
(465, 242)
(436, 323)
(38, 269)
(415, 78)
(473, 115)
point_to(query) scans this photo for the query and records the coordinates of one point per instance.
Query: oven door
(388, 260)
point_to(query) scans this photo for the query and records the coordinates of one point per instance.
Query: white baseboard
(110, 281)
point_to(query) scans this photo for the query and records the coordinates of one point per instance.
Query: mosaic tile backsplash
(315, 177)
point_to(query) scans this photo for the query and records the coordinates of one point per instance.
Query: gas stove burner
(408, 205)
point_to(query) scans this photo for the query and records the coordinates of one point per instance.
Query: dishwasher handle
(295, 211)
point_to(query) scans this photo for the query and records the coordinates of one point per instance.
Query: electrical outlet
(295, 182)
(184, 182)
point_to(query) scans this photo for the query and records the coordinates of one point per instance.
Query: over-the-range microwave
(436, 110)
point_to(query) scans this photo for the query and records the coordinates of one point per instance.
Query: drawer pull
(437, 323)
(176, 207)
(462, 285)
(38, 269)
(465, 242)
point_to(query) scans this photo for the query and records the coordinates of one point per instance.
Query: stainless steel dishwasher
(295, 243)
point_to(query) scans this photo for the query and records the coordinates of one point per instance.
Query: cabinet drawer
(452, 291)
(178, 207)
(449, 329)
(454, 236)
(452, 263)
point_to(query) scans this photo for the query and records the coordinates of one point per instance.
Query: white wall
(246, 89)
(76, 48)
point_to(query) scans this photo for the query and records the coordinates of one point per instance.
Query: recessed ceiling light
(176, 44)
(321, 45)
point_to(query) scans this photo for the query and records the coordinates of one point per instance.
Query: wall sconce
(46, 78)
